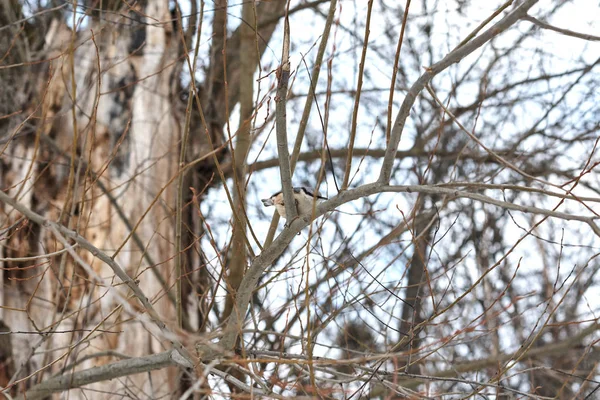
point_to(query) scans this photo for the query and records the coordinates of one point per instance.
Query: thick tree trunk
(113, 117)
(98, 150)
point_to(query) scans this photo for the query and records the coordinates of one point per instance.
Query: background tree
(457, 144)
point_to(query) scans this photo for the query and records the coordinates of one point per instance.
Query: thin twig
(567, 32)
(361, 72)
(394, 73)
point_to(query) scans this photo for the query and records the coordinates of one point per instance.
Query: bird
(304, 197)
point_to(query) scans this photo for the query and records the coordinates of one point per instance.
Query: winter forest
(452, 253)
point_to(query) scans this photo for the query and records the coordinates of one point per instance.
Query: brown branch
(84, 243)
(361, 72)
(394, 73)
(248, 63)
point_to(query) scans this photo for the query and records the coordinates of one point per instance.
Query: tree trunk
(100, 153)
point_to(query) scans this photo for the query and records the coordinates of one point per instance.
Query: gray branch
(105, 372)
(120, 272)
(544, 25)
(452, 58)
(281, 127)
(269, 255)
(256, 270)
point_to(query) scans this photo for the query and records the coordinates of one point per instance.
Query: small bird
(304, 201)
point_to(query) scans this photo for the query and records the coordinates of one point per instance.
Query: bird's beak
(267, 202)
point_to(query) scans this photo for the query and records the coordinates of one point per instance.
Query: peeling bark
(91, 155)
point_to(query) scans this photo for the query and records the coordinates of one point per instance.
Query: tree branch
(452, 58)
(567, 32)
(104, 373)
(281, 121)
(270, 254)
(83, 242)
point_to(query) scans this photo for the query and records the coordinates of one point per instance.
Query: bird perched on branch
(304, 201)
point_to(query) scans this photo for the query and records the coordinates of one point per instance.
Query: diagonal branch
(83, 242)
(453, 57)
(567, 32)
(271, 253)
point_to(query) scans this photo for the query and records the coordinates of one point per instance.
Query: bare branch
(567, 32)
(361, 73)
(281, 122)
(105, 372)
(452, 58)
(266, 258)
(83, 242)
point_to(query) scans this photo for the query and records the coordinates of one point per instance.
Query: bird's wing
(309, 191)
